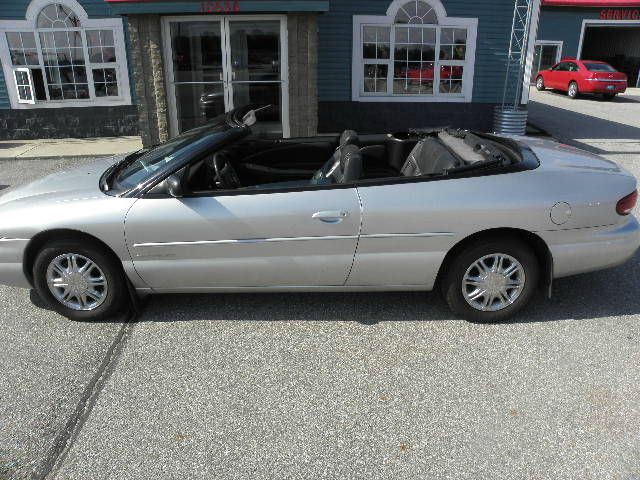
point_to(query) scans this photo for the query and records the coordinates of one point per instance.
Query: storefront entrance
(215, 64)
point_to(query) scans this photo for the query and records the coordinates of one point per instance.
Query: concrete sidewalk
(68, 147)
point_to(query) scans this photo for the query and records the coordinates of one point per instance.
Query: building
(95, 67)
(591, 30)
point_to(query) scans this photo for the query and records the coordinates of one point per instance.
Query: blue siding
(336, 27)
(565, 24)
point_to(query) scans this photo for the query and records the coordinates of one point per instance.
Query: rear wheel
(492, 280)
(540, 84)
(573, 90)
(78, 280)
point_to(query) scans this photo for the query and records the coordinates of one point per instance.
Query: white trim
(357, 62)
(557, 43)
(441, 13)
(533, 33)
(601, 23)
(30, 25)
(227, 82)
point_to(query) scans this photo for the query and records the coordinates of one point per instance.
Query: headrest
(349, 137)
(350, 163)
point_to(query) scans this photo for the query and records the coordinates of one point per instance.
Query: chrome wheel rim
(573, 90)
(493, 282)
(77, 282)
(539, 83)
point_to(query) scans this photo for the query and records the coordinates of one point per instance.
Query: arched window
(415, 52)
(57, 16)
(416, 12)
(60, 57)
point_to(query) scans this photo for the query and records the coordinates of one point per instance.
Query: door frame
(557, 43)
(167, 56)
(604, 23)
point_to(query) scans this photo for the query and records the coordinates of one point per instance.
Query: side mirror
(174, 186)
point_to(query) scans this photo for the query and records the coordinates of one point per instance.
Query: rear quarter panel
(407, 229)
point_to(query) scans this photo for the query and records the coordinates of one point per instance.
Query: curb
(54, 157)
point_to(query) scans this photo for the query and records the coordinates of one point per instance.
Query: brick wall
(68, 122)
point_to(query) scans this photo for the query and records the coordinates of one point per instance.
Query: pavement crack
(67, 436)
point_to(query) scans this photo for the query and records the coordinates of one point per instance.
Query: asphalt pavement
(266, 386)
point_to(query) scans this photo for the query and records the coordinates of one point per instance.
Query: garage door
(619, 46)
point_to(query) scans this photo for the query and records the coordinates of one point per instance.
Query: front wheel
(540, 84)
(573, 90)
(79, 280)
(492, 280)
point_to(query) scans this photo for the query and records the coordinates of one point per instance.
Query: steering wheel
(226, 175)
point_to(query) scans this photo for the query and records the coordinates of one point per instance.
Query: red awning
(591, 3)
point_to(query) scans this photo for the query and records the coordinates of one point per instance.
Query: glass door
(198, 78)
(223, 63)
(256, 77)
(544, 56)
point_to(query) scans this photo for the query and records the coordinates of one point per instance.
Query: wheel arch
(42, 238)
(537, 244)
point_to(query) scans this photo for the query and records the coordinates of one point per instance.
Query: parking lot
(335, 385)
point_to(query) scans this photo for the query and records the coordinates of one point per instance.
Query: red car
(583, 76)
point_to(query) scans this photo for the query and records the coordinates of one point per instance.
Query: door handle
(332, 216)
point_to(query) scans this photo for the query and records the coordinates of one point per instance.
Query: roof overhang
(191, 7)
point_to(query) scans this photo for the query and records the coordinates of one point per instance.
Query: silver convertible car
(486, 219)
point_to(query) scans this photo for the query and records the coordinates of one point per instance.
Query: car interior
(258, 163)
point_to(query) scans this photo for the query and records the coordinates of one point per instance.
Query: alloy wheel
(493, 282)
(77, 282)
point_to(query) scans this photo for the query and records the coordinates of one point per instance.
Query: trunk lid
(609, 76)
(553, 154)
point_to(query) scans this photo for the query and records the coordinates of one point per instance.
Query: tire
(80, 295)
(527, 273)
(540, 84)
(573, 91)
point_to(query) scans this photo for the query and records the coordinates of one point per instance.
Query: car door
(562, 77)
(407, 229)
(551, 78)
(253, 239)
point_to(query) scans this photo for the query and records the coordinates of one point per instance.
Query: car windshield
(150, 161)
(599, 67)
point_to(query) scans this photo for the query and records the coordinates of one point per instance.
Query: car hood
(554, 154)
(69, 184)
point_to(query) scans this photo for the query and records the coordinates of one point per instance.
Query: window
(24, 85)
(414, 53)
(599, 67)
(60, 57)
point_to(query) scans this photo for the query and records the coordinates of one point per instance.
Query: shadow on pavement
(598, 98)
(579, 125)
(607, 293)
